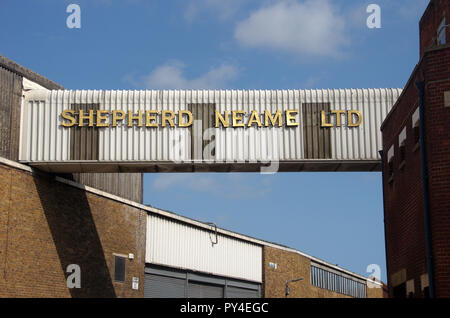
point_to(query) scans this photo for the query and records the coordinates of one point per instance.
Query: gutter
(384, 220)
(426, 210)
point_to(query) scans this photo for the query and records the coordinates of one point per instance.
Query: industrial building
(51, 221)
(416, 168)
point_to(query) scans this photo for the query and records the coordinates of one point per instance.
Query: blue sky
(245, 44)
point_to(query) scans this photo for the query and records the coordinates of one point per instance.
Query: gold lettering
(254, 117)
(350, 122)
(338, 116)
(149, 117)
(180, 118)
(101, 117)
(237, 117)
(65, 115)
(132, 117)
(291, 120)
(82, 117)
(324, 121)
(268, 116)
(222, 119)
(167, 116)
(117, 117)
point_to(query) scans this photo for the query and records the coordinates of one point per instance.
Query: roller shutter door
(163, 287)
(236, 292)
(199, 290)
(165, 282)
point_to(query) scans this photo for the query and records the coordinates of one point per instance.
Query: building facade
(57, 226)
(416, 168)
(126, 249)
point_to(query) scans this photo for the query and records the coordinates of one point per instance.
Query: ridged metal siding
(45, 140)
(179, 245)
(125, 185)
(10, 96)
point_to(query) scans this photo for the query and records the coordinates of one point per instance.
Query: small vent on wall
(119, 268)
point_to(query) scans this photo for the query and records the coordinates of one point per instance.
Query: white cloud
(309, 28)
(171, 76)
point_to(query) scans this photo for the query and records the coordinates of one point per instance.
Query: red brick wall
(47, 225)
(430, 21)
(404, 219)
(405, 235)
(438, 156)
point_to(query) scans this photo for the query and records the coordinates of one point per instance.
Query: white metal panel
(45, 140)
(181, 245)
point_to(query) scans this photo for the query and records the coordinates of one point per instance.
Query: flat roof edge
(27, 73)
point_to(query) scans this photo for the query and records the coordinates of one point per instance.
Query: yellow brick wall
(47, 225)
(292, 265)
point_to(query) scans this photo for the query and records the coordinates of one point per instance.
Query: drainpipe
(426, 210)
(384, 221)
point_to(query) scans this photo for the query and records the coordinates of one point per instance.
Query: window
(441, 36)
(402, 146)
(390, 164)
(336, 282)
(416, 128)
(119, 268)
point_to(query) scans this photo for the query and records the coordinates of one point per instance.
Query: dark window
(119, 268)
(416, 133)
(402, 153)
(391, 170)
(441, 36)
(335, 282)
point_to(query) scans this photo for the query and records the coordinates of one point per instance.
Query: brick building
(51, 222)
(416, 168)
(124, 248)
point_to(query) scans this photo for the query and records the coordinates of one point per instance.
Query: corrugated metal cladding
(45, 142)
(179, 245)
(10, 99)
(125, 185)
